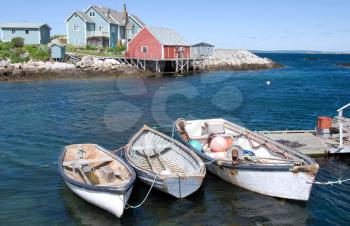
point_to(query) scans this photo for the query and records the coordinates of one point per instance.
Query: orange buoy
(324, 122)
(218, 144)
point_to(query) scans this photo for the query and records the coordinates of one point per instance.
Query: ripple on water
(39, 118)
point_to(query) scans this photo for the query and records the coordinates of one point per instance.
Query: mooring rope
(173, 131)
(128, 206)
(47, 165)
(339, 181)
(119, 149)
(207, 163)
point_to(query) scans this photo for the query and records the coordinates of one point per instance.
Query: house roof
(204, 44)
(115, 17)
(23, 25)
(138, 20)
(85, 17)
(167, 36)
(56, 44)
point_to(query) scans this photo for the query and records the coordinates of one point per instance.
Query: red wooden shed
(156, 43)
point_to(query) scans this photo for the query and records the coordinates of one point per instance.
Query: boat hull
(280, 181)
(111, 202)
(281, 184)
(176, 178)
(179, 187)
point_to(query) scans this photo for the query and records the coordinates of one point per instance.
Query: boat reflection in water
(216, 203)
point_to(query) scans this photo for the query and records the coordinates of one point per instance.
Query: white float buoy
(268, 83)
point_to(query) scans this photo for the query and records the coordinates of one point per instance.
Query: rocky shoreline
(94, 67)
(236, 60)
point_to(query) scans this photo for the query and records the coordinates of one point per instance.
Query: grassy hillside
(17, 52)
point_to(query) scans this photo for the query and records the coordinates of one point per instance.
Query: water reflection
(216, 203)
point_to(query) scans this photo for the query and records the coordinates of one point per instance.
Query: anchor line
(128, 206)
(119, 149)
(47, 165)
(207, 163)
(339, 181)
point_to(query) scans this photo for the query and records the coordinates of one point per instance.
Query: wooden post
(340, 118)
(188, 65)
(157, 67)
(182, 66)
(177, 66)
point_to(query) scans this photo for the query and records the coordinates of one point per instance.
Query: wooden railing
(90, 34)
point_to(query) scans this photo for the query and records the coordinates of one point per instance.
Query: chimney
(125, 15)
(108, 12)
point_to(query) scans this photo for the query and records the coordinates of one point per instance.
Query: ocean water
(38, 118)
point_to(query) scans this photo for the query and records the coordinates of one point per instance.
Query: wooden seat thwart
(86, 161)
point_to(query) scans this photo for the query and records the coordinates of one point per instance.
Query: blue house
(33, 34)
(102, 27)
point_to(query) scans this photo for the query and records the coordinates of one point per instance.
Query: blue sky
(247, 24)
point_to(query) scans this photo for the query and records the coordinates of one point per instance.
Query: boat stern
(182, 186)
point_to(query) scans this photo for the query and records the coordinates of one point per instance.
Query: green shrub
(17, 42)
(6, 46)
(116, 50)
(38, 52)
(88, 47)
(121, 48)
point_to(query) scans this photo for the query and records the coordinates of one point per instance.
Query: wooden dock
(161, 66)
(304, 141)
(334, 139)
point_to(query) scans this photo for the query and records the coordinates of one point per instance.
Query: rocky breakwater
(90, 63)
(34, 68)
(88, 66)
(227, 59)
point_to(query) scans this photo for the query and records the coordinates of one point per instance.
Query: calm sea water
(39, 118)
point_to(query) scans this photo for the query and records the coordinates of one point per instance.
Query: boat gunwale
(247, 166)
(201, 173)
(119, 189)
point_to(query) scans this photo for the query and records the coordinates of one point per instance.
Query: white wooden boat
(97, 176)
(269, 168)
(164, 162)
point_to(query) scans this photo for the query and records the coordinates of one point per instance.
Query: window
(75, 15)
(113, 29)
(76, 27)
(100, 28)
(144, 49)
(13, 31)
(92, 13)
(26, 31)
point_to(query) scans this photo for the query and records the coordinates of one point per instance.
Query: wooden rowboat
(164, 162)
(250, 161)
(97, 176)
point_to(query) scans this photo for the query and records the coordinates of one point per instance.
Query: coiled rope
(128, 206)
(339, 181)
